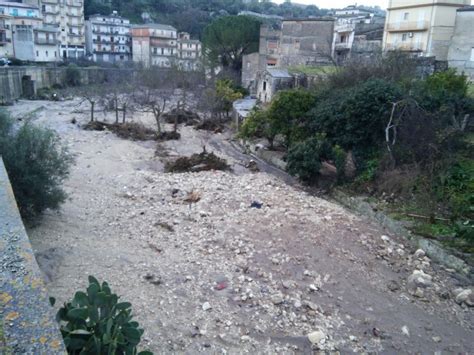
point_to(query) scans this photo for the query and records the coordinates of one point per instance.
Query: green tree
(36, 163)
(288, 112)
(229, 38)
(226, 95)
(258, 124)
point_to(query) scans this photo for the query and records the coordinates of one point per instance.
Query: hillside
(193, 15)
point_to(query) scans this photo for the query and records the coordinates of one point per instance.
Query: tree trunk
(124, 108)
(116, 112)
(158, 124)
(92, 111)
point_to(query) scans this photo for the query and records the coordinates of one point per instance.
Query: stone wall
(28, 325)
(461, 49)
(16, 81)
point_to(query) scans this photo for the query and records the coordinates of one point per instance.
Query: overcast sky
(335, 4)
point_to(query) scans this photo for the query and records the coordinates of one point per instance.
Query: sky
(335, 4)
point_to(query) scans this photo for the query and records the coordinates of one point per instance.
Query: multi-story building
(68, 17)
(461, 49)
(162, 46)
(6, 45)
(421, 27)
(189, 51)
(27, 38)
(154, 45)
(108, 38)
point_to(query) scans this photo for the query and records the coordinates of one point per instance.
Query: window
(55, 54)
(404, 37)
(162, 51)
(46, 53)
(264, 85)
(405, 16)
(37, 53)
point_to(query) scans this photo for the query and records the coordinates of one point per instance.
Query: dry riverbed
(212, 274)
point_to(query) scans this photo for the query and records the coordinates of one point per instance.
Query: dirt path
(217, 276)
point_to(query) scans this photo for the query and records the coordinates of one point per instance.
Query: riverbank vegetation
(408, 139)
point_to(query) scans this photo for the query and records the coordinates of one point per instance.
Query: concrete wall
(27, 320)
(461, 50)
(11, 78)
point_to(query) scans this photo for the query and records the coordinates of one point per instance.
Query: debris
(420, 253)
(197, 162)
(181, 116)
(464, 296)
(406, 331)
(256, 204)
(210, 125)
(220, 286)
(154, 280)
(252, 166)
(206, 306)
(193, 197)
(128, 130)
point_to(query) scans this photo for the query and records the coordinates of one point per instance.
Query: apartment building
(68, 17)
(26, 36)
(108, 38)
(421, 27)
(6, 44)
(189, 51)
(154, 45)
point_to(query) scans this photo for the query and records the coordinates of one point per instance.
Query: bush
(304, 159)
(73, 75)
(36, 164)
(355, 118)
(258, 124)
(94, 322)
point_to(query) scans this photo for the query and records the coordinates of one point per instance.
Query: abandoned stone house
(272, 80)
(294, 42)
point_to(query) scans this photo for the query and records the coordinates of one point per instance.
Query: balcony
(72, 24)
(46, 41)
(50, 2)
(406, 26)
(344, 28)
(51, 12)
(341, 46)
(405, 47)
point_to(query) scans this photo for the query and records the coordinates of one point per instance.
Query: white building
(25, 35)
(108, 38)
(68, 17)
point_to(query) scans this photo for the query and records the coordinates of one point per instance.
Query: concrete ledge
(28, 325)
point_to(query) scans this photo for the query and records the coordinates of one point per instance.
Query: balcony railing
(51, 12)
(405, 26)
(46, 41)
(341, 45)
(406, 47)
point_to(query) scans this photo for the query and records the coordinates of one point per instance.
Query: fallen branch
(426, 217)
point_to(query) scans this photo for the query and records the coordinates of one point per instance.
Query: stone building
(154, 45)
(272, 80)
(294, 42)
(420, 27)
(26, 37)
(68, 17)
(461, 49)
(108, 38)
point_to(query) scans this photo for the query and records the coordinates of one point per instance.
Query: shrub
(355, 117)
(36, 164)
(304, 158)
(73, 75)
(94, 322)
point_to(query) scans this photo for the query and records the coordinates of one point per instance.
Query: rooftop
(279, 73)
(156, 26)
(315, 19)
(18, 4)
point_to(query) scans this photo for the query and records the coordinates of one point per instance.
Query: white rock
(317, 337)
(463, 296)
(406, 331)
(206, 306)
(385, 238)
(420, 253)
(277, 299)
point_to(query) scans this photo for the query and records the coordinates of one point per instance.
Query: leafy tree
(258, 124)
(226, 95)
(305, 158)
(36, 163)
(229, 38)
(288, 113)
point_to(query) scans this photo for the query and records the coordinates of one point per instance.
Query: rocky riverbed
(237, 262)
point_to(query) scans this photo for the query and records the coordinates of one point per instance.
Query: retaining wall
(27, 322)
